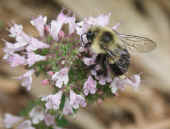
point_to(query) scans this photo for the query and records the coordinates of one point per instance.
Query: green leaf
(62, 102)
(42, 125)
(49, 39)
(78, 71)
(61, 121)
(42, 52)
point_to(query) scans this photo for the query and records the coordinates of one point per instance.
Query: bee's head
(90, 36)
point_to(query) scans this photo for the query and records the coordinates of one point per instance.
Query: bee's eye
(106, 37)
(90, 35)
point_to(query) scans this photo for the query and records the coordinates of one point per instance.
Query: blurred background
(145, 108)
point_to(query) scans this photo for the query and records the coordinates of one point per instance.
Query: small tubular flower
(53, 101)
(37, 114)
(16, 60)
(49, 119)
(27, 79)
(90, 86)
(76, 100)
(61, 77)
(11, 120)
(118, 83)
(39, 24)
(16, 30)
(35, 44)
(27, 124)
(33, 58)
(67, 110)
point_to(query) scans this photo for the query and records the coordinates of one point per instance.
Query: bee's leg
(101, 59)
(92, 66)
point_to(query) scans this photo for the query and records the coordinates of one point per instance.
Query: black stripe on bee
(122, 64)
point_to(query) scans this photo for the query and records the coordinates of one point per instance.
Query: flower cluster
(58, 53)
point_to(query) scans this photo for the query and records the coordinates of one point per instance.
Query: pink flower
(39, 23)
(135, 81)
(72, 25)
(26, 125)
(16, 60)
(61, 34)
(37, 114)
(84, 25)
(49, 120)
(89, 61)
(50, 73)
(35, 44)
(13, 47)
(33, 58)
(118, 83)
(57, 24)
(103, 80)
(16, 30)
(23, 38)
(89, 86)
(61, 77)
(45, 82)
(76, 100)
(101, 20)
(11, 120)
(67, 108)
(55, 28)
(27, 79)
(53, 101)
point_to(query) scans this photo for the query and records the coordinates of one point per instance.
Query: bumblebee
(113, 48)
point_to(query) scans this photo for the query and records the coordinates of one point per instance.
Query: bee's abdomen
(122, 64)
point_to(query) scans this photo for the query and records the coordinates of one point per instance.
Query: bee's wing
(137, 43)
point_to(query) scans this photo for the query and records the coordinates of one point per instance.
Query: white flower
(39, 23)
(135, 81)
(37, 114)
(53, 101)
(84, 25)
(103, 80)
(15, 60)
(10, 47)
(89, 86)
(67, 108)
(57, 24)
(49, 119)
(72, 25)
(11, 120)
(101, 20)
(27, 79)
(76, 100)
(23, 38)
(26, 125)
(61, 77)
(89, 61)
(55, 28)
(33, 58)
(15, 30)
(118, 83)
(35, 44)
